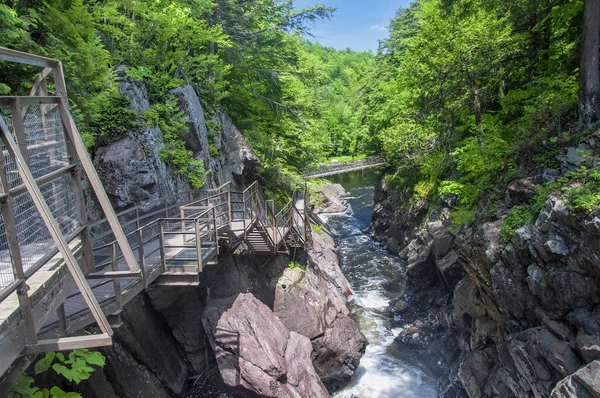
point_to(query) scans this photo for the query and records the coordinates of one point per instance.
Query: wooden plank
(7, 54)
(27, 101)
(54, 229)
(70, 343)
(40, 83)
(113, 275)
(94, 179)
(12, 347)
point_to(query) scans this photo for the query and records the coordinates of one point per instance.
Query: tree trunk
(477, 106)
(589, 88)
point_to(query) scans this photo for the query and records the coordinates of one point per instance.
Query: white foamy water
(368, 269)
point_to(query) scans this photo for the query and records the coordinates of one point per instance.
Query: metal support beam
(54, 229)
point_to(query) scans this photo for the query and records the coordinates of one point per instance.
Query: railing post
(62, 320)
(141, 254)
(161, 239)
(116, 281)
(198, 244)
(86, 241)
(244, 210)
(229, 213)
(215, 226)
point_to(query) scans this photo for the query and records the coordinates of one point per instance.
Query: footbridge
(326, 170)
(60, 273)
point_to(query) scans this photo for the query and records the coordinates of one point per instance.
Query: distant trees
(589, 92)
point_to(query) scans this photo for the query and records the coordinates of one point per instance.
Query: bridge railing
(283, 223)
(334, 167)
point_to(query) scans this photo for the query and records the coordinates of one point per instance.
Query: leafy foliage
(466, 95)
(295, 264)
(174, 152)
(517, 217)
(76, 367)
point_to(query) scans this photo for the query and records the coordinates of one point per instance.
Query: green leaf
(96, 358)
(58, 393)
(44, 364)
(63, 370)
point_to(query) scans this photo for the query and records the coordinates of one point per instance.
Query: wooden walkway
(169, 251)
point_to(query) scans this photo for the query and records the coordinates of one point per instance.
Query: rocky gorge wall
(253, 322)
(489, 317)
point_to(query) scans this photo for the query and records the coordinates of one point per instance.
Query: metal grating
(47, 152)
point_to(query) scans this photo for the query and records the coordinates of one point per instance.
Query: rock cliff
(495, 317)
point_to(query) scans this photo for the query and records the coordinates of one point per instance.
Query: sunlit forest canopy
(463, 93)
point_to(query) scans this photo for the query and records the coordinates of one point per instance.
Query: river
(372, 271)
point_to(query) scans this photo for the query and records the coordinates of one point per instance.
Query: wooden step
(178, 279)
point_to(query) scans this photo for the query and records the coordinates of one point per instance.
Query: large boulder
(310, 306)
(325, 263)
(330, 199)
(254, 349)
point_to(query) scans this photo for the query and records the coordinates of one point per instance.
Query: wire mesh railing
(42, 139)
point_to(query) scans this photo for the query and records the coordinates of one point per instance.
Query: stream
(371, 270)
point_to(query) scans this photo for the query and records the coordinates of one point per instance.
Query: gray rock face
(145, 359)
(132, 171)
(521, 192)
(525, 313)
(272, 361)
(311, 307)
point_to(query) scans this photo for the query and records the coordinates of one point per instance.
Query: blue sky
(357, 24)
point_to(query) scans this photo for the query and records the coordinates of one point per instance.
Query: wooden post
(161, 240)
(114, 265)
(214, 210)
(198, 244)
(62, 320)
(19, 128)
(229, 213)
(12, 237)
(54, 229)
(86, 241)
